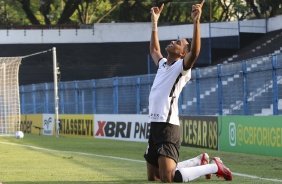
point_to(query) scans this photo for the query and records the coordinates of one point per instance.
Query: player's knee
(153, 178)
(166, 179)
(169, 178)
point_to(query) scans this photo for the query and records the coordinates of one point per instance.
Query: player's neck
(171, 59)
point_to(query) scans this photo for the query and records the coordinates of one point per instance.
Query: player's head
(179, 47)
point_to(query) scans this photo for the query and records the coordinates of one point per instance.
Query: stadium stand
(264, 44)
(104, 60)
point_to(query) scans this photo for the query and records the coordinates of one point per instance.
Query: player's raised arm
(155, 49)
(195, 48)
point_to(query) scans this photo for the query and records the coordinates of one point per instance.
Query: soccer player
(164, 141)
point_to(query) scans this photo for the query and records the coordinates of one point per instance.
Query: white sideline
(127, 159)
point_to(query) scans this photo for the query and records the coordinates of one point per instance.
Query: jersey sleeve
(186, 74)
(162, 61)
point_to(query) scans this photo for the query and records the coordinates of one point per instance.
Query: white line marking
(256, 177)
(79, 153)
(127, 159)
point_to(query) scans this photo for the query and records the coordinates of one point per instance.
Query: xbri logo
(113, 129)
(232, 134)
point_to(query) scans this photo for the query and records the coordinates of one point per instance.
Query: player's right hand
(155, 13)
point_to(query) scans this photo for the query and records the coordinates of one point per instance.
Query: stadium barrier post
(219, 76)
(274, 83)
(245, 87)
(198, 91)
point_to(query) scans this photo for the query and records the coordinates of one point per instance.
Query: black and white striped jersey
(167, 86)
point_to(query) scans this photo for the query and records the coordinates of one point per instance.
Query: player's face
(177, 47)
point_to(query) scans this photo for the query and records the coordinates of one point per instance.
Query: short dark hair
(189, 44)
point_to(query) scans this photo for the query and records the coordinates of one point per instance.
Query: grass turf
(89, 160)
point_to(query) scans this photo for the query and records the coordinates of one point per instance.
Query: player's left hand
(197, 11)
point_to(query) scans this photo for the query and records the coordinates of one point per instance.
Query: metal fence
(251, 87)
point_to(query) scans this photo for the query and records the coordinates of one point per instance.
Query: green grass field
(47, 159)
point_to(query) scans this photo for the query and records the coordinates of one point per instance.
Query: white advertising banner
(127, 127)
(48, 124)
